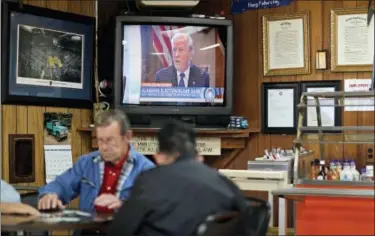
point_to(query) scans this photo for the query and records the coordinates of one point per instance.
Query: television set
(174, 68)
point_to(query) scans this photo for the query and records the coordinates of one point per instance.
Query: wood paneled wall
(18, 119)
(248, 77)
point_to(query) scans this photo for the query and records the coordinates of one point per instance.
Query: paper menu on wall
(58, 158)
(364, 104)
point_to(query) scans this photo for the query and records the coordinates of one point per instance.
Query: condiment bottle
(332, 173)
(346, 174)
(322, 175)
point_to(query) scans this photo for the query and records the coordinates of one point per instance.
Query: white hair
(186, 36)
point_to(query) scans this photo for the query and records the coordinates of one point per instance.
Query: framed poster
(352, 40)
(47, 57)
(286, 44)
(330, 115)
(279, 107)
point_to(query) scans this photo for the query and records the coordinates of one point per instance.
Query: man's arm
(66, 186)
(128, 220)
(9, 193)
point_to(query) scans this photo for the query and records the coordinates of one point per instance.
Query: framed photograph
(352, 40)
(286, 44)
(47, 57)
(330, 115)
(279, 107)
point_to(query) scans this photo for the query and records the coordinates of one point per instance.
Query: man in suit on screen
(183, 73)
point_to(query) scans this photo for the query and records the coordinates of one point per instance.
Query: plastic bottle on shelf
(322, 175)
(332, 172)
(354, 171)
(338, 168)
(370, 172)
(363, 174)
(346, 174)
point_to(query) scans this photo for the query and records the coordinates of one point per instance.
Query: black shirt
(175, 199)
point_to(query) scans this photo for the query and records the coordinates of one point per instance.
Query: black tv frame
(173, 110)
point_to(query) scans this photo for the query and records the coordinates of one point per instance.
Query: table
(336, 207)
(64, 220)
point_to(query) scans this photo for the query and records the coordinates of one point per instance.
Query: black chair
(254, 221)
(224, 224)
(258, 215)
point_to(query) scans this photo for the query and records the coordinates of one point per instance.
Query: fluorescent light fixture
(157, 53)
(210, 47)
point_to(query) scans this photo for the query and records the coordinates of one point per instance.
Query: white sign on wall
(205, 145)
(363, 104)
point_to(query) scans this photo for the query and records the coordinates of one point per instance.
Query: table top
(360, 193)
(63, 220)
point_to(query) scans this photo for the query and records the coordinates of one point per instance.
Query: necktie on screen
(181, 83)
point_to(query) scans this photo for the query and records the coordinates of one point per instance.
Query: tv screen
(173, 65)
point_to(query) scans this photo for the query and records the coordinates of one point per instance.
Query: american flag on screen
(161, 38)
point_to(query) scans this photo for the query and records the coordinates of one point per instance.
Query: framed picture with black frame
(47, 57)
(330, 115)
(279, 107)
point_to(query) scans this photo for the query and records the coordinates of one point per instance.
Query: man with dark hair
(103, 178)
(177, 196)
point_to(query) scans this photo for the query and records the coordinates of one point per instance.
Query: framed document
(47, 57)
(279, 107)
(352, 40)
(286, 44)
(330, 115)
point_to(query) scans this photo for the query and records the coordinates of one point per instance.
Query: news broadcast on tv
(173, 65)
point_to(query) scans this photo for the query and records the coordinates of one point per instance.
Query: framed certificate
(352, 40)
(330, 115)
(279, 108)
(286, 44)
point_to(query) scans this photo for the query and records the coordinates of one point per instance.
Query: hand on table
(18, 208)
(108, 200)
(50, 201)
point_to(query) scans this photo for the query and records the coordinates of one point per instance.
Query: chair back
(223, 224)
(258, 215)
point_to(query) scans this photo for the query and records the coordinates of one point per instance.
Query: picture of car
(56, 129)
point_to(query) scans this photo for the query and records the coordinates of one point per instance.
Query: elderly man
(103, 178)
(183, 73)
(176, 197)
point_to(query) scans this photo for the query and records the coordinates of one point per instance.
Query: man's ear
(129, 134)
(200, 158)
(159, 158)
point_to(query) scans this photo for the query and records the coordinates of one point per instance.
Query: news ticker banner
(148, 145)
(239, 6)
(181, 94)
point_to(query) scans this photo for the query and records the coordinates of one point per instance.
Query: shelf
(336, 94)
(200, 131)
(335, 105)
(329, 134)
(325, 192)
(339, 128)
(340, 138)
(331, 183)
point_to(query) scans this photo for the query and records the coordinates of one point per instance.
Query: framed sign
(47, 57)
(352, 40)
(279, 107)
(330, 115)
(286, 44)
